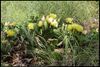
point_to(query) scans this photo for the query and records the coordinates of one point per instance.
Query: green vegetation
(19, 11)
(49, 33)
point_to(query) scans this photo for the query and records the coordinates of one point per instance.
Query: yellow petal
(53, 15)
(43, 18)
(50, 20)
(70, 27)
(54, 23)
(78, 27)
(40, 24)
(10, 33)
(31, 26)
(7, 23)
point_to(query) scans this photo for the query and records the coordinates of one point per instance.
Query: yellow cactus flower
(54, 23)
(78, 27)
(53, 15)
(31, 26)
(70, 27)
(50, 20)
(69, 20)
(10, 33)
(40, 24)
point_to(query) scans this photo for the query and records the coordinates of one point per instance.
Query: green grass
(19, 11)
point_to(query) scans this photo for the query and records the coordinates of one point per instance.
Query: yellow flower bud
(54, 23)
(10, 33)
(40, 24)
(31, 26)
(69, 20)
